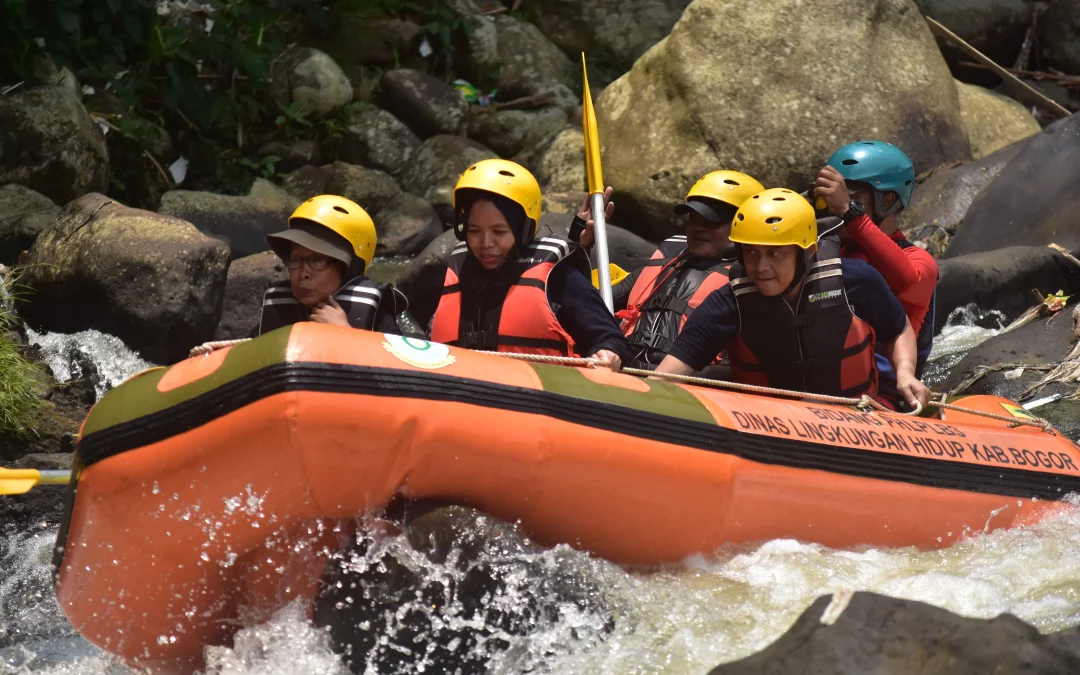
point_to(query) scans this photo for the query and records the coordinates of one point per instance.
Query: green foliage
(18, 376)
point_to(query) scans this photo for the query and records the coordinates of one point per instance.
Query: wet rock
(992, 120)
(310, 79)
(1003, 279)
(306, 182)
(23, 215)
(683, 122)
(433, 170)
(994, 27)
(514, 57)
(887, 636)
(292, 154)
(241, 309)
(509, 132)
(1059, 27)
(468, 585)
(377, 139)
(49, 144)
(154, 281)
(559, 162)
(406, 225)
(242, 222)
(370, 188)
(1032, 201)
(941, 200)
(612, 33)
(429, 106)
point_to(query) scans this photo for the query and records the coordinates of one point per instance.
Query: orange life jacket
(526, 323)
(821, 348)
(662, 298)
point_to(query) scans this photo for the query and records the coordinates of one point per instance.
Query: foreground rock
(151, 280)
(469, 585)
(1003, 279)
(241, 309)
(50, 144)
(1033, 200)
(942, 199)
(241, 222)
(992, 121)
(377, 139)
(887, 636)
(686, 121)
(429, 106)
(311, 80)
(23, 215)
(433, 170)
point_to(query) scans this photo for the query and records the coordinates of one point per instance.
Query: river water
(683, 619)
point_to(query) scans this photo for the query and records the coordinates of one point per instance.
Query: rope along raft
(863, 403)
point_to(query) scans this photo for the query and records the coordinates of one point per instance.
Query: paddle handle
(603, 260)
(52, 477)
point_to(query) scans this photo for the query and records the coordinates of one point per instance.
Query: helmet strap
(880, 212)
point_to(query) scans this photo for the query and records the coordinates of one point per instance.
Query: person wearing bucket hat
(508, 290)
(796, 315)
(327, 248)
(869, 183)
(655, 301)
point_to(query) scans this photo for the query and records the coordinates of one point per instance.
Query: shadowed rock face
(429, 106)
(242, 307)
(992, 121)
(781, 113)
(887, 636)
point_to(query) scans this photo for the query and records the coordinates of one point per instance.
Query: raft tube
(219, 486)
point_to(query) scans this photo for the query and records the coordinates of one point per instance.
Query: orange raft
(223, 482)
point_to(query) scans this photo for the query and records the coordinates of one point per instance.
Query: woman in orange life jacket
(508, 290)
(328, 246)
(795, 315)
(655, 301)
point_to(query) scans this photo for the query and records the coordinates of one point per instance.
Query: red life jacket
(524, 323)
(821, 348)
(664, 295)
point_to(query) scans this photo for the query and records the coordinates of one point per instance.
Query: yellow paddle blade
(21, 481)
(617, 275)
(592, 137)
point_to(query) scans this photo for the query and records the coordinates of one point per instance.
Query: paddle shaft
(603, 260)
(21, 481)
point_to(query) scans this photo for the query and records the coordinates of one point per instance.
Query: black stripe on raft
(317, 377)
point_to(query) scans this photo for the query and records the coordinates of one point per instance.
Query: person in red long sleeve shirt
(867, 184)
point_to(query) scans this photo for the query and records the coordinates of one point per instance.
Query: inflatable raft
(221, 484)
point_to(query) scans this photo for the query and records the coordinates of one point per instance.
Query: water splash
(103, 358)
(966, 328)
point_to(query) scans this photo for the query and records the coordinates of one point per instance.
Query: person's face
(488, 235)
(313, 277)
(771, 268)
(704, 238)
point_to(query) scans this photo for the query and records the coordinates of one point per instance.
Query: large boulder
(1033, 200)
(509, 132)
(1059, 27)
(49, 143)
(241, 309)
(994, 27)
(23, 215)
(406, 225)
(888, 636)
(942, 198)
(154, 281)
(433, 170)
(242, 222)
(992, 121)
(1002, 279)
(514, 57)
(559, 162)
(429, 106)
(612, 33)
(310, 79)
(372, 189)
(683, 110)
(375, 138)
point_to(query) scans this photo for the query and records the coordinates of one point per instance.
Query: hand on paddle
(587, 237)
(609, 359)
(831, 186)
(329, 312)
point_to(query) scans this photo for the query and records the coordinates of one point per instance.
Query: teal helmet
(881, 165)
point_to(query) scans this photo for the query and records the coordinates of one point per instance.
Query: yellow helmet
(502, 177)
(341, 216)
(776, 217)
(730, 187)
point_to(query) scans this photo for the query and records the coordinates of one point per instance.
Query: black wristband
(576, 228)
(855, 209)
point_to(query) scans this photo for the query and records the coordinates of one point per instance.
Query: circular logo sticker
(418, 353)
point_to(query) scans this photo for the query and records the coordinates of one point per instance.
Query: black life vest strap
(645, 339)
(671, 303)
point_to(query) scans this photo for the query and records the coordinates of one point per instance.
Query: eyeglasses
(315, 263)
